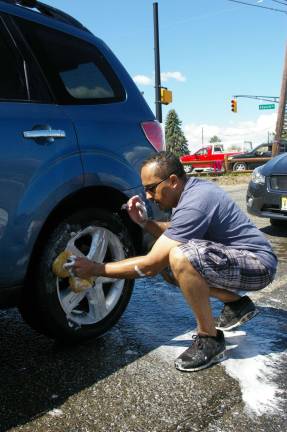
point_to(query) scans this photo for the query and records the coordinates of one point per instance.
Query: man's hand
(85, 268)
(136, 209)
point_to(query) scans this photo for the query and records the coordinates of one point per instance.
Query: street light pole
(157, 64)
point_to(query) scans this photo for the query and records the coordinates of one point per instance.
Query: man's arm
(148, 265)
(138, 213)
(155, 228)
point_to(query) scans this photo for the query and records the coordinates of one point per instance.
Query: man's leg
(236, 311)
(227, 268)
(223, 295)
(195, 290)
(208, 346)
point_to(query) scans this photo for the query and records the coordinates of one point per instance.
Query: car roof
(34, 6)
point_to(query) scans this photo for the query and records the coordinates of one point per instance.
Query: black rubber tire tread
(48, 315)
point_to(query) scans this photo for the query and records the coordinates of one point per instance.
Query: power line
(280, 2)
(263, 7)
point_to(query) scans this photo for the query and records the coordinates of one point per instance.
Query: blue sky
(210, 50)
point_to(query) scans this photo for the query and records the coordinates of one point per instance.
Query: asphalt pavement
(125, 381)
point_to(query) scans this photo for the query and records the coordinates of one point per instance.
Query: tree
(176, 142)
(215, 139)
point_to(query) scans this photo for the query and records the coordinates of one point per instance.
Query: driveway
(126, 381)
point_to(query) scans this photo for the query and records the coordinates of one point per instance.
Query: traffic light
(165, 96)
(234, 105)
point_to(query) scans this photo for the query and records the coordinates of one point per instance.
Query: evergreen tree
(215, 139)
(176, 142)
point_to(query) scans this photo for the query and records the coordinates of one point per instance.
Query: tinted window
(12, 80)
(86, 81)
(76, 70)
(263, 150)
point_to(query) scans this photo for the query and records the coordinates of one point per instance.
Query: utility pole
(157, 64)
(281, 124)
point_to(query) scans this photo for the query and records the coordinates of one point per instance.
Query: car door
(201, 155)
(261, 151)
(35, 137)
(100, 98)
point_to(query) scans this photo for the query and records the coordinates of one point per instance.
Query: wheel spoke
(71, 300)
(99, 245)
(73, 248)
(97, 301)
(105, 279)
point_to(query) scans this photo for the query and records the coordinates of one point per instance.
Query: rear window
(77, 72)
(217, 149)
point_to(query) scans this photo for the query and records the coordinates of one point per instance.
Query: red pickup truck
(211, 156)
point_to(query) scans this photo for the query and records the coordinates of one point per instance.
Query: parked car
(74, 132)
(267, 190)
(261, 151)
(211, 156)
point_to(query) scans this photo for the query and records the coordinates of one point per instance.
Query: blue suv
(74, 132)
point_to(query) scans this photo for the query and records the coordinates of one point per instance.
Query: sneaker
(204, 351)
(235, 313)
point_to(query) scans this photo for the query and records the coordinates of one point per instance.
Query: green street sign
(266, 106)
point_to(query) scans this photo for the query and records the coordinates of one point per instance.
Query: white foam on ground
(55, 412)
(254, 371)
(250, 361)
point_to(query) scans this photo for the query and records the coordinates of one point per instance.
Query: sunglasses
(152, 187)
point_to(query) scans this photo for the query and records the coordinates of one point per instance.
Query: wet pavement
(126, 381)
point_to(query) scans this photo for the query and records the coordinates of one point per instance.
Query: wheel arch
(101, 197)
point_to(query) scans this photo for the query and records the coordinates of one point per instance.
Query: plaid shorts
(224, 267)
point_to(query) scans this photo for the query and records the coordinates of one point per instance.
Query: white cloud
(143, 80)
(254, 131)
(165, 76)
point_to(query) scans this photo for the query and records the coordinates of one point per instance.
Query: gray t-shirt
(205, 211)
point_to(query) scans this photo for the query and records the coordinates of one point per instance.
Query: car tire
(58, 312)
(278, 222)
(239, 166)
(188, 168)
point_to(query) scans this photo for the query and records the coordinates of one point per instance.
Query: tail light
(154, 133)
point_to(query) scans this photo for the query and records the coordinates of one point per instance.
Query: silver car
(267, 190)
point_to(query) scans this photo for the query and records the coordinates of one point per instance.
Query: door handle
(44, 134)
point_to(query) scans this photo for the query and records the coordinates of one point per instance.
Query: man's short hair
(167, 164)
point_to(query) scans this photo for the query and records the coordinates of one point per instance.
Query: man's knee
(178, 261)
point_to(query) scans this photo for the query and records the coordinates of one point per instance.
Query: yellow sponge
(58, 263)
(78, 285)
